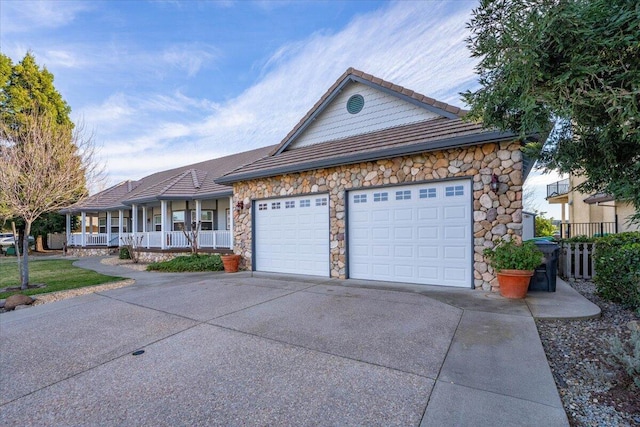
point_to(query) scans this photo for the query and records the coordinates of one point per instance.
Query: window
(289, 205)
(427, 193)
(305, 203)
(206, 219)
(102, 225)
(403, 195)
(321, 202)
(262, 206)
(360, 198)
(177, 217)
(380, 197)
(275, 205)
(157, 222)
(457, 190)
(114, 224)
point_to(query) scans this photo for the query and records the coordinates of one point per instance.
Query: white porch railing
(213, 239)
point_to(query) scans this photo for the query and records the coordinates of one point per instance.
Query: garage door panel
(379, 215)
(404, 271)
(403, 232)
(425, 228)
(455, 212)
(403, 214)
(380, 233)
(427, 213)
(378, 250)
(427, 233)
(455, 252)
(428, 252)
(292, 236)
(403, 251)
(451, 232)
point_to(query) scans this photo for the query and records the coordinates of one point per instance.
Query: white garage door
(292, 235)
(413, 234)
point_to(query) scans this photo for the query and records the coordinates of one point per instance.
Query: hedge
(617, 268)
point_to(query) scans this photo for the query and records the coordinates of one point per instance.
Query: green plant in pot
(514, 264)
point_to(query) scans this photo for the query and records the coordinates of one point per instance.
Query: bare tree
(192, 236)
(45, 167)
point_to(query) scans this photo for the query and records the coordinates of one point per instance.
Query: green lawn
(58, 274)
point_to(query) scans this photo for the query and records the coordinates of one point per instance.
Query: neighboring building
(376, 182)
(157, 207)
(379, 182)
(589, 215)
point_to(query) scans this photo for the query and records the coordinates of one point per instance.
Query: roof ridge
(194, 177)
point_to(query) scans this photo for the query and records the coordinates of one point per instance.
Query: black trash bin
(544, 277)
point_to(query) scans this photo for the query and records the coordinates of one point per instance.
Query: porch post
(120, 223)
(68, 228)
(134, 220)
(84, 229)
(231, 209)
(198, 216)
(108, 228)
(163, 221)
(144, 218)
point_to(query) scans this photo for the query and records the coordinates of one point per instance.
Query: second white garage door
(292, 235)
(414, 234)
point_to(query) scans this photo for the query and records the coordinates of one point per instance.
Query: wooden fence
(576, 260)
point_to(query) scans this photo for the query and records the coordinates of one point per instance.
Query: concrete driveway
(263, 350)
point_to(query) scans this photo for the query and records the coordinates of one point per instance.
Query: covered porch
(156, 225)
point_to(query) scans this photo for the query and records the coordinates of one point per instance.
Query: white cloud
(25, 16)
(188, 57)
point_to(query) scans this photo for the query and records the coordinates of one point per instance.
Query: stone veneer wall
(495, 214)
(85, 252)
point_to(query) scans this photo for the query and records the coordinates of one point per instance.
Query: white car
(6, 240)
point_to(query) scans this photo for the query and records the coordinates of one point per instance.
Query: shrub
(189, 263)
(627, 355)
(512, 256)
(617, 267)
(124, 253)
(578, 239)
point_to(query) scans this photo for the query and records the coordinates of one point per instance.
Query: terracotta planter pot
(514, 283)
(230, 263)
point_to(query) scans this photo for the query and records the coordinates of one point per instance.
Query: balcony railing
(589, 229)
(558, 188)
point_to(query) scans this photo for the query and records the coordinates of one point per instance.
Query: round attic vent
(355, 104)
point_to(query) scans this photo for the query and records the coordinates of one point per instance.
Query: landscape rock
(15, 300)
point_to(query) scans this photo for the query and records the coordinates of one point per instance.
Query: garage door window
(380, 197)
(360, 198)
(289, 205)
(427, 193)
(305, 203)
(451, 191)
(262, 206)
(403, 195)
(321, 202)
(275, 205)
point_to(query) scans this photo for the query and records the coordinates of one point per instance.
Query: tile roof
(436, 134)
(352, 73)
(188, 182)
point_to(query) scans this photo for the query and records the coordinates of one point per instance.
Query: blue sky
(168, 83)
